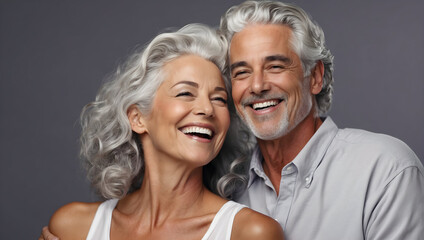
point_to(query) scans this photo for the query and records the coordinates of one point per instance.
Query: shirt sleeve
(399, 211)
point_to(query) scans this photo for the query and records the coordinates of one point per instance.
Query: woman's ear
(317, 75)
(136, 119)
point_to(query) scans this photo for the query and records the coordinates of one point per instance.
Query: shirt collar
(256, 168)
(308, 159)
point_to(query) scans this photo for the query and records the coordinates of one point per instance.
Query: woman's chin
(198, 160)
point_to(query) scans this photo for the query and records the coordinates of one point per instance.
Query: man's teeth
(199, 130)
(266, 104)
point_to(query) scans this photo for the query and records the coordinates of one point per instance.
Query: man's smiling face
(268, 86)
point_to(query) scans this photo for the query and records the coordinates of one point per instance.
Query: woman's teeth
(199, 131)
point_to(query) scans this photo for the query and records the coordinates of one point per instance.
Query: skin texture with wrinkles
(172, 201)
(264, 67)
(270, 70)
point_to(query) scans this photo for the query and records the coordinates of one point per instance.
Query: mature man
(317, 181)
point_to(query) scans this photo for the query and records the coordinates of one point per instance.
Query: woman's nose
(204, 107)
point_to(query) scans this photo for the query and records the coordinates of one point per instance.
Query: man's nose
(258, 83)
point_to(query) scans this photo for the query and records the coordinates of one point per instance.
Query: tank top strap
(220, 228)
(222, 223)
(100, 227)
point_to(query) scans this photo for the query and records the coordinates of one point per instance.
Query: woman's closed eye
(220, 99)
(185, 94)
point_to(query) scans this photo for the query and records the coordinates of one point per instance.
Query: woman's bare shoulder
(249, 224)
(73, 220)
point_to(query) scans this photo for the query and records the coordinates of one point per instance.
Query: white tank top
(220, 228)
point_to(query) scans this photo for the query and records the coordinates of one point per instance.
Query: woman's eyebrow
(193, 84)
(221, 89)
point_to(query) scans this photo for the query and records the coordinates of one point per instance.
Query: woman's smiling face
(189, 118)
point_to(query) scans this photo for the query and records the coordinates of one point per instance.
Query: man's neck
(280, 152)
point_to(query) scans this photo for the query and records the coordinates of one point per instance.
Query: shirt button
(307, 179)
(289, 168)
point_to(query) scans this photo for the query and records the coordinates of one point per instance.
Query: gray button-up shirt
(344, 184)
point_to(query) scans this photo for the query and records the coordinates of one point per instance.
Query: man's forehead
(252, 30)
(261, 41)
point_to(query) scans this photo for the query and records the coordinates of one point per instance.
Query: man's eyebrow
(281, 58)
(271, 58)
(193, 84)
(238, 64)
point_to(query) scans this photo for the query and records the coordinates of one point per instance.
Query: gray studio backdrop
(55, 54)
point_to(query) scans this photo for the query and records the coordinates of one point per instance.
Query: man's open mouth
(265, 105)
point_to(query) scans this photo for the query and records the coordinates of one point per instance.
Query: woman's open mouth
(200, 132)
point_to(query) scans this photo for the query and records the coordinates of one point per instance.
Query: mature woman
(152, 141)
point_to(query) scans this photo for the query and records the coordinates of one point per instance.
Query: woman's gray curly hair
(308, 38)
(112, 153)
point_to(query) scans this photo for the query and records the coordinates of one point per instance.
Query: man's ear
(317, 74)
(136, 119)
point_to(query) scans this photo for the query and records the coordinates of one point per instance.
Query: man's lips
(262, 105)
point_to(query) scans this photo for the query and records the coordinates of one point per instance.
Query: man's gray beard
(284, 127)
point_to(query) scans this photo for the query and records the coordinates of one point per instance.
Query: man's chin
(266, 130)
(270, 133)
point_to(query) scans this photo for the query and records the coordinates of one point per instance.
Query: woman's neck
(172, 199)
(171, 189)
(166, 205)
(171, 193)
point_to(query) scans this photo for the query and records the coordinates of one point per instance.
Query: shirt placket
(286, 194)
